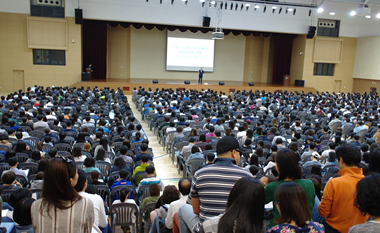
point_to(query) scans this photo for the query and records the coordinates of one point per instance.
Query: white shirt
(173, 208)
(100, 218)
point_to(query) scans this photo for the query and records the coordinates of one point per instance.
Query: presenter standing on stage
(201, 72)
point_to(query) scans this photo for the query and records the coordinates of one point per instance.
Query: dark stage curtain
(282, 56)
(95, 47)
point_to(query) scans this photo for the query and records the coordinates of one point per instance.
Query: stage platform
(128, 85)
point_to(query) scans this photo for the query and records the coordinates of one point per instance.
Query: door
(18, 80)
(337, 86)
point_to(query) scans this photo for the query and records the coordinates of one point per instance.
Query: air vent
(327, 24)
(48, 3)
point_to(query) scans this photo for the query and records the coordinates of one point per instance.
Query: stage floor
(129, 85)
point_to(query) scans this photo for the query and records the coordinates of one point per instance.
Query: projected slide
(185, 54)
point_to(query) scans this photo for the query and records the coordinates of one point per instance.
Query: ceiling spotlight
(221, 5)
(320, 10)
(236, 6)
(242, 5)
(265, 8)
(183, 0)
(232, 6)
(203, 4)
(294, 12)
(280, 10)
(290, 9)
(172, 2)
(274, 7)
(257, 6)
(368, 16)
(378, 16)
(212, 2)
(202, 0)
(160, 1)
(247, 4)
(332, 13)
(353, 13)
(286, 11)
(309, 12)
(225, 5)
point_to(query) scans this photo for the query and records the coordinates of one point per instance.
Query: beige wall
(118, 52)
(367, 58)
(148, 57)
(298, 60)
(343, 71)
(15, 55)
(364, 85)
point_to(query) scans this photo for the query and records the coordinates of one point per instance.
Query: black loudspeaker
(187, 82)
(206, 21)
(251, 84)
(85, 76)
(155, 81)
(78, 16)
(221, 83)
(311, 32)
(373, 91)
(299, 83)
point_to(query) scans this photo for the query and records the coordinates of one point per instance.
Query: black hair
(350, 156)
(124, 194)
(210, 157)
(21, 211)
(89, 162)
(119, 162)
(81, 180)
(150, 169)
(144, 158)
(367, 195)
(12, 161)
(374, 161)
(123, 174)
(20, 194)
(144, 147)
(287, 163)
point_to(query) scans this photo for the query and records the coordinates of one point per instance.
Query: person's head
(40, 175)
(245, 207)
(367, 195)
(95, 175)
(317, 187)
(58, 188)
(150, 170)
(347, 156)
(9, 177)
(62, 135)
(210, 157)
(154, 190)
(144, 147)
(89, 162)
(123, 150)
(291, 202)
(374, 161)
(253, 169)
(119, 162)
(36, 155)
(170, 194)
(145, 158)
(228, 147)
(20, 146)
(184, 186)
(124, 194)
(100, 156)
(123, 174)
(87, 147)
(332, 156)
(21, 211)
(77, 152)
(287, 165)
(81, 183)
(12, 162)
(194, 149)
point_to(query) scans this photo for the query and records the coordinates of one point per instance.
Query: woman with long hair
(244, 210)
(292, 203)
(103, 143)
(61, 208)
(288, 170)
(77, 154)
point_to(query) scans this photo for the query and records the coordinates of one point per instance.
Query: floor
(163, 164)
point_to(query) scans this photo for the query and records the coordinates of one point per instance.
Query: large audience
(78, 160)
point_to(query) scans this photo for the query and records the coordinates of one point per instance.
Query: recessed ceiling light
(320, 10)
(274, 7)
(368, 16)
(332, 13)
(353, 13)
(247, 4)
(257, 6)
(378, 16)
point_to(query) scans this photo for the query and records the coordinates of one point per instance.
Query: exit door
(337, 86)
(18, 80)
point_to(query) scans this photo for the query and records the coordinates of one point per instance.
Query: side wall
(15, 55)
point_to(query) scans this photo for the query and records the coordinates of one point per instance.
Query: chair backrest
(22, 157)
(64, 153)
(124, 213)
(110, 155)
(104, 192)
(149, 207)
(115, 192)
(117, 145)
(143, 192)
(41, 128)
(195, 164)
(324, 159)
(33, 167)
(262, 161)
(335, 125)
(3, 167)
(201, 145)
(37, 134)
(62, 147)
(103, 167)
(139, 176)
(33, 140)
(80, 165)
(37, 192)
(70, 139)
(6, 195)
(71, 134)
(27, 129)
(22, 180)
(329, 170)
(4, 148)
(47, 147)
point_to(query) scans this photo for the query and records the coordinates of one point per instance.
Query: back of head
(287, 164)
(154, 190)
(184, 186)
(144, 147)
(150, 170)
(292, 201)
(144, 158)
(9, 177)
(367, 195)
(210, 157)
(123, 150)
(374, 161)
(170, 194)
(21, 211)
(245, 207)
(81, 180)
(12, 161)
(123, 173)
(350, 156)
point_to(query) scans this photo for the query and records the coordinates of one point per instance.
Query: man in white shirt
(100, 218)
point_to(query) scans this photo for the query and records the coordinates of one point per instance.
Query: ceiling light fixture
(265, 9)
(368, 16)
(320, 10)
(332, 13)
(280, 10)
(294, 12)
(378, 16)
(310, 13)
(353, 13)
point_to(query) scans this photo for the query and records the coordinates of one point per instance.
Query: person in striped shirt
(211, 186)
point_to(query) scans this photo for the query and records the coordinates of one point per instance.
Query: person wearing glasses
(61, 208)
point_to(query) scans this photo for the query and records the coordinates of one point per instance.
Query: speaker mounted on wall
(251, 84)
(299, 83)
(187, 82)
(311, 32)
(155, 81)
(221, 83)
(78, 16)
(206, 21)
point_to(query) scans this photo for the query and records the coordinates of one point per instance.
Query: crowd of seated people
(316, 146)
